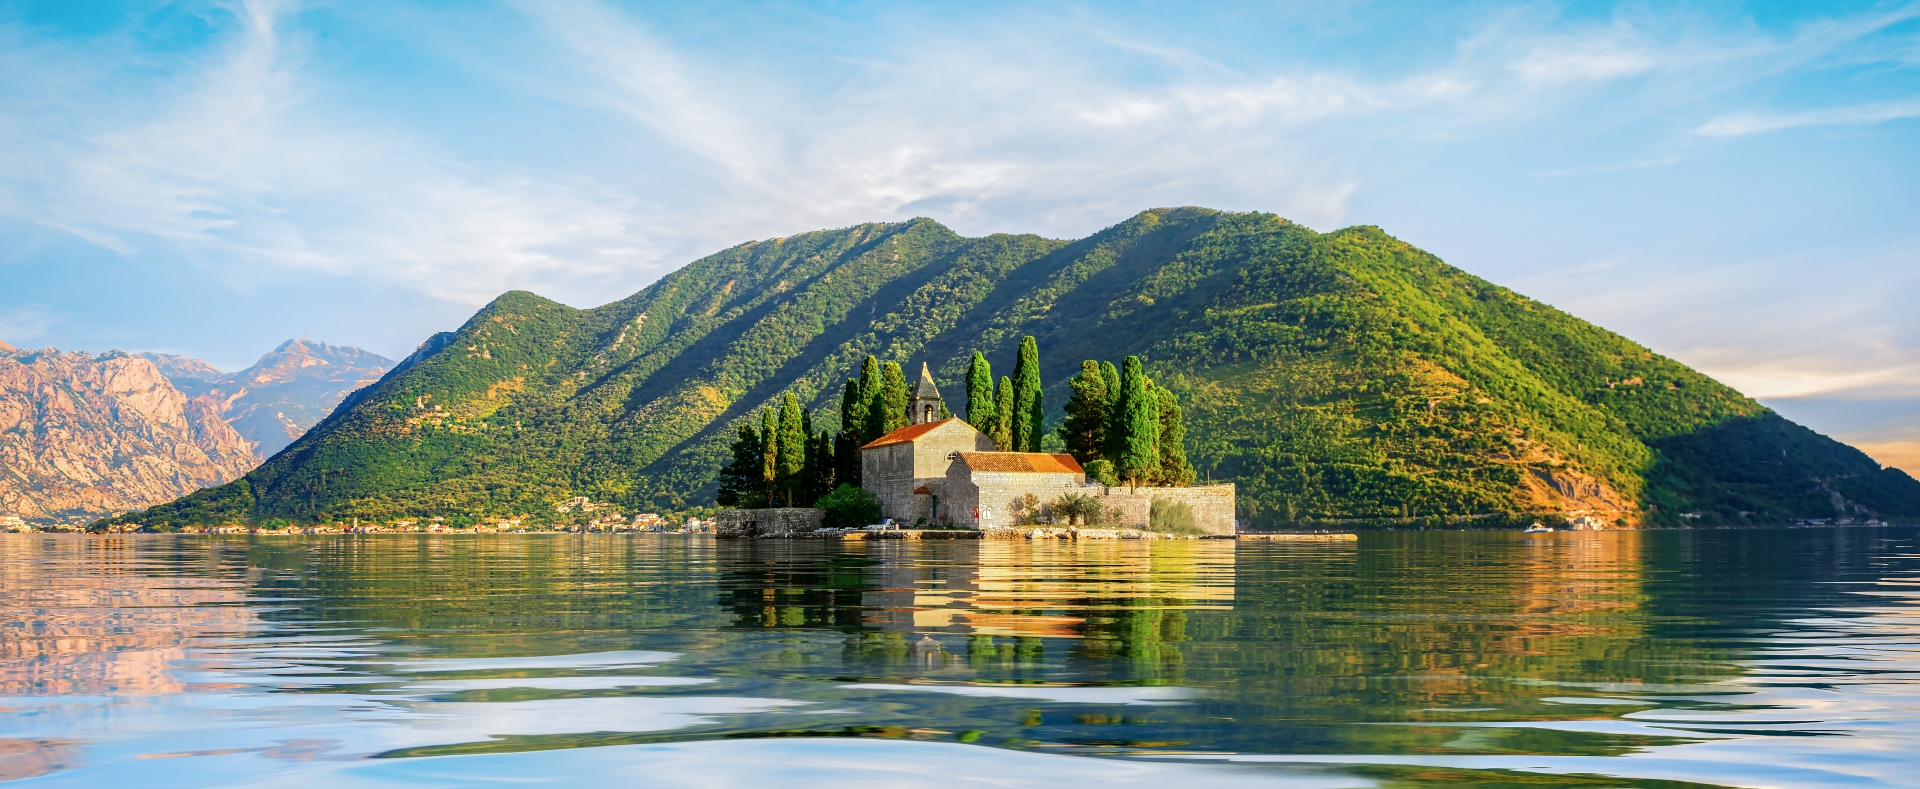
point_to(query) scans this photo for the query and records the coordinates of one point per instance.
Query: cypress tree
(846, 461)
(1003, 416)
(1138, 458)
(1084, 430)
(1028, 409)
(853, 410)
(980, 394)
(887, 411)
(869, 389)
(1175, 471)
(740, 478)
(792, 449)
(769, 455)
(1112, 376)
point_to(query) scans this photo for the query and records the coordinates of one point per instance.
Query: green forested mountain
(1334, 376)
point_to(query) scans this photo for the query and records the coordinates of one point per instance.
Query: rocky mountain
(1343, 376)
(82, 435)
(288, 391)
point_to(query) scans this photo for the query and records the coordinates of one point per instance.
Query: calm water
(1765, 658)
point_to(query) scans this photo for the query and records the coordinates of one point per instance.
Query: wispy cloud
(1754, 123)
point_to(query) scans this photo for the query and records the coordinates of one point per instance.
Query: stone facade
(778, 522)
(977, 494)
(916, 457)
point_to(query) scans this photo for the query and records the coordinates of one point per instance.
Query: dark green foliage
(846, 461)
(1029, 406)
(853, 411)
(1174, 470)
(1111, 375)
(792, 452)
(887, 411)
(1084, 430)
(1003, 416)
(770, 455)
(980, 411)
(740, 482)
(848, 507)
(870, 383)
(820, 467)
(1342, 376)
(1133, 433)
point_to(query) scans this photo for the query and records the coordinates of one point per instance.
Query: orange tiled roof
(1018, 462)
(908, 433)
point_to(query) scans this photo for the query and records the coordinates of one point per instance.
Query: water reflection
(1740, 658)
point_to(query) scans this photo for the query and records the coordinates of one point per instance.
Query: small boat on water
(1536, 529)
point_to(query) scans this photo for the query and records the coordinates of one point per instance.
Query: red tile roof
(908, 433)
(1022, 462)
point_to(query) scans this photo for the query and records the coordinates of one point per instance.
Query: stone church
(946, 472)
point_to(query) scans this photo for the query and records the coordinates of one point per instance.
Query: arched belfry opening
(925, 405)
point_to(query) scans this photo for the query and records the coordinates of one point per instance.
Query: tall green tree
(1003, 415)
(1175, 471)
(853, 410)
(887, 411)
(769, 455)
(793, 449)
(1029, 410)
(740, 477)
(1112, 376)
(980, 394)
(1084, 431)
(846, 461)
(869, 389)
(1133, 438)
(820, 467)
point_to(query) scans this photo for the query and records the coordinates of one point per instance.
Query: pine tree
(869, 389)
(1084, 430)
(887, 411)
(980, 394)
(792, 452)
(1138, 459)
(769, 455)
(1175, 471)
(740, 478)
(1029, 411)
(1003, 415)
(853, 411)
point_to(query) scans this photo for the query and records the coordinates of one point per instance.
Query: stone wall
(779, 522)
(892, 472)
(994, 495)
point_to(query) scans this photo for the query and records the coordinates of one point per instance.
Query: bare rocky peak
(292, 388)
(82, 436)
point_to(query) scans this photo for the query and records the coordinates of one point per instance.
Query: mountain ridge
(1336, 376)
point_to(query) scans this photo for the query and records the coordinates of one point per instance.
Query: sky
(1735, 185)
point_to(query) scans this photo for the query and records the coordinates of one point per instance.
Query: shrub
(848, 507)
(1172, 517)
(1101, 471)
(1078, 507)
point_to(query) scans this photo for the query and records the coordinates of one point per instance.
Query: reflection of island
(80, 620)
(1012, 588)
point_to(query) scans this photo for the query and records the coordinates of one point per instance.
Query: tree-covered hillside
(1337, 376)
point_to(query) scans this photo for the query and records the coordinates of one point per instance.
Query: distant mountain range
(288, 391)
(1343, 377)
(83, 436)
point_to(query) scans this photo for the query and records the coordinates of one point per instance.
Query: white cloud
(1753, 123)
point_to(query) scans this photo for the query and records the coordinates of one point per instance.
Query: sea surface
(1651, 659)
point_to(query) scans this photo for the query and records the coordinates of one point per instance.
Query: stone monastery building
(947, 472)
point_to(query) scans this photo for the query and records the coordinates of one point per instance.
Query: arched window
(929, 413)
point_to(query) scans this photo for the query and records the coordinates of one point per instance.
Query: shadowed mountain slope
(1336, 376)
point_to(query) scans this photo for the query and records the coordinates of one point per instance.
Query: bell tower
(925, 405)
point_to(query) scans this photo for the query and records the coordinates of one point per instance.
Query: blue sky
(1732, 184)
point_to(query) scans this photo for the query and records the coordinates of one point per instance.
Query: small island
(929, 473)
